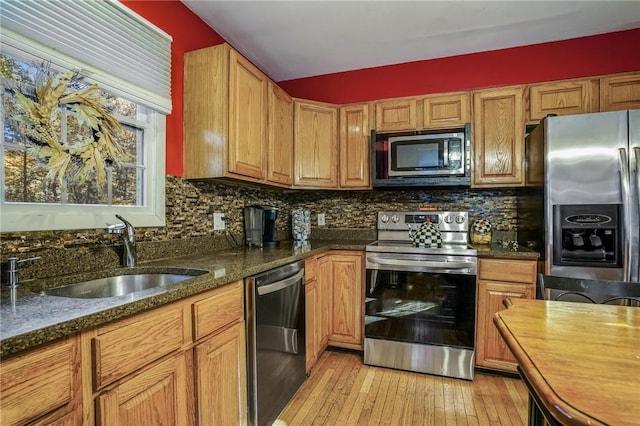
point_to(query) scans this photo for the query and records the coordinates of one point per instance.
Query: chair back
(552, 287)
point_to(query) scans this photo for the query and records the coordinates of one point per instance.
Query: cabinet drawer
(40, 382)
(517, 271)
(129, 344)
(222, 307)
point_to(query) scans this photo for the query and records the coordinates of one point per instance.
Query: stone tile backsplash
(189, 210)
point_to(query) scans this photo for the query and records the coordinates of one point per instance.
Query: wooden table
(580, 361)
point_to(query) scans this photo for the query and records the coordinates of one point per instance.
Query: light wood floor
(341, 390)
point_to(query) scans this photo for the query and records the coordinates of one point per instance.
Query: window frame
(18, 217)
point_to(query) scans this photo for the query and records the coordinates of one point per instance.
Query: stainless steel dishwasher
(275, 340)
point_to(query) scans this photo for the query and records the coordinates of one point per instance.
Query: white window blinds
(115, 47)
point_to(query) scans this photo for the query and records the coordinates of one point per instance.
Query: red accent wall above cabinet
(580, 57)
(189, 32)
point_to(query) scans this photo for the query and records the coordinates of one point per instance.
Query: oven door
(421, 299)
(420, 313)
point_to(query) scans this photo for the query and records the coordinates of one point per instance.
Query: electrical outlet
(218, 221)
(320, 219)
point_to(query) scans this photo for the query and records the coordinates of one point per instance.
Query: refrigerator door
(583, 167)
(634, 174)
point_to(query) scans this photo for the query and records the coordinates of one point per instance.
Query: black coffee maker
(260, 226)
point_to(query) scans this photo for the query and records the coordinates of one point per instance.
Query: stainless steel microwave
(436, 154)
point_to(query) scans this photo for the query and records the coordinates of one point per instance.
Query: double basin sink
(120, 285)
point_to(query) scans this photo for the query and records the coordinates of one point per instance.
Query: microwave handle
(445, 156)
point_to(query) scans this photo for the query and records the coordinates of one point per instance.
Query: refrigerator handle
(626, 205)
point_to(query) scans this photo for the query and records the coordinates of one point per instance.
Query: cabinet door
(247, 146)
(449, 110)
(562, 98)
(498, 138)
(354, 147)
(43, 383)
(396, 114)
(221, 378)
(323, 288)
(316, 145)
(346, 301)
(280, 125)
(491, 351)
(154, 396)
(311, 317)
(620, 92)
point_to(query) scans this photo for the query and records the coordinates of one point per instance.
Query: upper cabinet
(227, 102)
(315, 144)
(446, 110)
(354, 147)
(562, 98)
(280, 136)
(498, 137)
(620, 92)
(396, 115)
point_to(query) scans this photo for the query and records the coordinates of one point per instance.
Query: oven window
(424, 308)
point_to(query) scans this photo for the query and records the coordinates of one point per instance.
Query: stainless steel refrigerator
(587, 167)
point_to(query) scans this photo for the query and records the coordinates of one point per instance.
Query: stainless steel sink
(119, 285)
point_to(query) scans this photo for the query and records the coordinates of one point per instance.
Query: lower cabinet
(334, 291)
(344, 281)
(221, 378)
(157, 395)
(43, 386)
(499, 279)
(180, 364)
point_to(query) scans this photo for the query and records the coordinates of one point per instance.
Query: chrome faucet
(126, 229)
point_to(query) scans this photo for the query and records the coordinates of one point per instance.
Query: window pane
(25, 173)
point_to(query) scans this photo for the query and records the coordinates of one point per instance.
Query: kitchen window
(129, 60)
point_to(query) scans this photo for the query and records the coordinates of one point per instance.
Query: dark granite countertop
(499, 252)
(35, 318)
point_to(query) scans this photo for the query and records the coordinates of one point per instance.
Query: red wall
(189, 32)
(603, 54)
(580, 57)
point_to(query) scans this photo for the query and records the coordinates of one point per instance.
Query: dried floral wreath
(39, 121)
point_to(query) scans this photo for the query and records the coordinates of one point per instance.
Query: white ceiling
(294, 39)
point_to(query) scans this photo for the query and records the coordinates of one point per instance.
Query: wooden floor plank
(341, 390)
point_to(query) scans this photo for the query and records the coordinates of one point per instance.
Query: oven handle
(422, 263)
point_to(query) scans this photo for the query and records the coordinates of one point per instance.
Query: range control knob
(448, 219)
(384, 218)
(395, 218)
(460, 219)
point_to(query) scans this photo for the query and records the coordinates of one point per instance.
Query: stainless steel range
(420, 304)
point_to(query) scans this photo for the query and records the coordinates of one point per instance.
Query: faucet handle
(116, 228)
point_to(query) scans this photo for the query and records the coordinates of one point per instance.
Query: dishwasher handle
(279, 285)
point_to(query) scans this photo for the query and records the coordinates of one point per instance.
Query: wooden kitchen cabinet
(620, 92)
(225, 116)
(498, 137)
(124, 346)
(341, 274)
(315, 144)
(499, 279)
(42, 386)
(446, 110)
(219, 361)
(221, 378)
(312, 343)
(157, 395)
(280, 137)
(354, 147)
(396, 115)
(562, 98)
